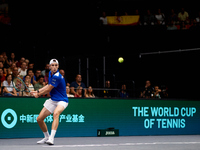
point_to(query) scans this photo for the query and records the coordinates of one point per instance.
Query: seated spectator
(62, 72)
(31, 66)
(89, 93)
(183, 26)
(107, 93)
(171, 26)
(15, 74)
(25, 92)
(10, 69)
(68, 92)
(4, 12)
(149, 19)
(183, 16)
(74, 85)
(40, 83)
(1, 58)
(147, 91)
(164, 91)
(173, 17)
(78, 92)
(2, 76)
(3, 68)
(156, 93)
(37, 74)
(46, 77)
(195, 25)
(197, 19)
(27, 62)
(9, 90)
(141, 18)
(28, 80)
(22, 71)
(123, 93)
(5, 60)
(31, 74)
(3, 7)
(45, 68)
(19, 63)
(12, 59)
(103, 19)
(160, 18)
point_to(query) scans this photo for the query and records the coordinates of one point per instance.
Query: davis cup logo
(9, 118)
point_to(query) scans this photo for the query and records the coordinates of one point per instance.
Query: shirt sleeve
(55, 81)
(4, 83)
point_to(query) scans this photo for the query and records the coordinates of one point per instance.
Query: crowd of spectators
(172, 20)
(150, 91)
(35, 79)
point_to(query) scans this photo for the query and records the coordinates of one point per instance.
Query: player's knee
(56, 115)
(39, 119)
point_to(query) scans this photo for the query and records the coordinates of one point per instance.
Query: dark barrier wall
(84, 116)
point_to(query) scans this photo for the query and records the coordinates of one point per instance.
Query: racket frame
(18, 78)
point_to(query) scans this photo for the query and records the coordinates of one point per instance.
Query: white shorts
(51, 105)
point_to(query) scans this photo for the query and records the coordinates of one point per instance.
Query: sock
(53, 132)
(46, 134)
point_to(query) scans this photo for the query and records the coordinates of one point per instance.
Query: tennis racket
(20, 86)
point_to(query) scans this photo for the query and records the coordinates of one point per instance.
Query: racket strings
(19, 85)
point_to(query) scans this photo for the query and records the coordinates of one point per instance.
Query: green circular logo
(9, 118)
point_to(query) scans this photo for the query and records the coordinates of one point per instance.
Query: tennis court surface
(181, 142)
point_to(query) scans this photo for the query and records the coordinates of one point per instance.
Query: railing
(96, 92)
(101, 93)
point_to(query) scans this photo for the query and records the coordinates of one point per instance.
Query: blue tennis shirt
(58, 93)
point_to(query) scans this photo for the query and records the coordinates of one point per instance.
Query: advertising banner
(83, 117)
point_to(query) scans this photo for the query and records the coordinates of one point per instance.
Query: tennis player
(56, 104)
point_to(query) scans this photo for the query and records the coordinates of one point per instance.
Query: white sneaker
(43, 141)
(50, 141)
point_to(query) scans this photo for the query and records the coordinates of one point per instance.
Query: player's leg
(40, 119)
(59, 109)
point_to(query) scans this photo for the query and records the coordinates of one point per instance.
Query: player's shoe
(50, 141)
(43, 141)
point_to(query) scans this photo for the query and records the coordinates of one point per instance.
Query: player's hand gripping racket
(20, 86)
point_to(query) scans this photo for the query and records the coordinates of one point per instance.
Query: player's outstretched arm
(44, 88)
(42, 91)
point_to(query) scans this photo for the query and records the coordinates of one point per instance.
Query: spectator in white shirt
(160, 17)
(103, 19)
(22, 71)
(9, 90)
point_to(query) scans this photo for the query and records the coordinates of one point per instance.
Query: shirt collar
(54, 73)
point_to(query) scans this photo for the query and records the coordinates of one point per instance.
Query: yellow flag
(123, 20)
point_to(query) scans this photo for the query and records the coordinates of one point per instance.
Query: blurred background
(74, 33)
